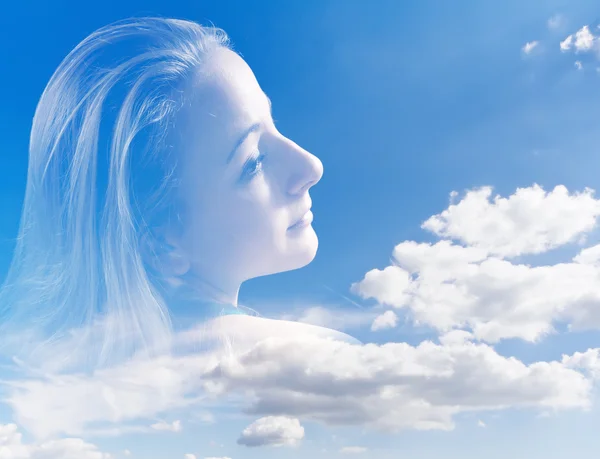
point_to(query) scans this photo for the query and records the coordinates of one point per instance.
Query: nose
(306, 170)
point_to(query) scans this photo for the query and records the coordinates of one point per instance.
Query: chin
(305, 250)
(299, 253)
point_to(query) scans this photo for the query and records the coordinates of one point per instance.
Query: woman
(156, 179)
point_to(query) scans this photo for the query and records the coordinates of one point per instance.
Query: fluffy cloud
(530, 221)
(12, 447)
(284, 371)
(455, 287)
(388, 387)
(395, 385)
(582, 41)
(588, 361)
(390, 286)
(448, 286)
(273, 431)
(388, 319)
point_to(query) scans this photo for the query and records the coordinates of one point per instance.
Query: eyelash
(252, 166)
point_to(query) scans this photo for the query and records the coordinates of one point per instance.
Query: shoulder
(255, 328)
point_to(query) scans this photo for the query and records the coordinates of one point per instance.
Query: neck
(203, 289)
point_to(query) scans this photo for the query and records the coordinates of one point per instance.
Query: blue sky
(404, 103)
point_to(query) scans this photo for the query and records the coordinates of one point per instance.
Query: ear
(164, 255)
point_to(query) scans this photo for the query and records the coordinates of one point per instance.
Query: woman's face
(245, 185)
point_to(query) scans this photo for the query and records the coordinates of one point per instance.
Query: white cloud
(390, 286)
(480, 423)
(389, 387)
(582, 41)
(454, 287)
(530, 46)
(273, 431)
(189, 456)
(224, 457)
(69, 448)
(388, 319)
(456, 337)
(528, 222)
(469, 293)
(353, 450)
(112, 398)
(578, 65)
(12, 447)
(68, 404)
(588, 361)
(174, 426)
(447, 286)
(567, 43)
(395, 386)
(589, 256)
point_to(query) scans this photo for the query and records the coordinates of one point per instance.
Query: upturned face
(245, 186)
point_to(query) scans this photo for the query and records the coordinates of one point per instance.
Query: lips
(305, 220)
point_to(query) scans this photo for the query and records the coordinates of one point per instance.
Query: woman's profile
(156, 178)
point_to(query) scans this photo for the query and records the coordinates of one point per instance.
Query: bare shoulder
(256, 328)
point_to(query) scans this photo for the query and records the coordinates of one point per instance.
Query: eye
(252, 166)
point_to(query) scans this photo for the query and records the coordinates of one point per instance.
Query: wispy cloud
(530, 46)
(331, 317)
(353, 450)
(163, 426)
(12, 447)
(556, 22)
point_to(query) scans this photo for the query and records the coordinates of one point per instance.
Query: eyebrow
(255, 127)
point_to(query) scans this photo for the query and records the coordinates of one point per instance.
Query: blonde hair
(99, 168)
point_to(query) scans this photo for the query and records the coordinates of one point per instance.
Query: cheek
(258, 214)
(264, 221)
(249, 216)
(247, 222)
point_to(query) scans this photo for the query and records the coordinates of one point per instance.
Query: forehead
(225, 100)
(226, 86)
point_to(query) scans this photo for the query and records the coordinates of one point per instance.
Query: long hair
(101, 168)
